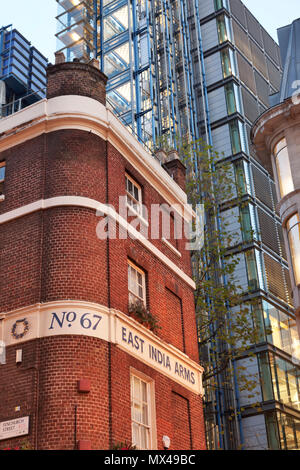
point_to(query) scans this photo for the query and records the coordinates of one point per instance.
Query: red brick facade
(54, 255)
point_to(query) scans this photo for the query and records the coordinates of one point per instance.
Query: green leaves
(226, 326)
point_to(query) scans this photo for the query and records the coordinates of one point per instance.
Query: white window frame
(150, 426)
(133, 294)
(130, 197)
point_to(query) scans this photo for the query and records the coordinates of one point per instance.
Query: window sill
(171, 247)
(134, 298)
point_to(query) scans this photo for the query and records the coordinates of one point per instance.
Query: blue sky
(35, 18)
(273, 14)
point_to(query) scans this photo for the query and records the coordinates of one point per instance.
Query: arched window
(284, 174)
(293, 229)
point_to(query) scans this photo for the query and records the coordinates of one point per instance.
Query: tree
(226, 318)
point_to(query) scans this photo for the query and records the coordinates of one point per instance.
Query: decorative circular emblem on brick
(16, 333)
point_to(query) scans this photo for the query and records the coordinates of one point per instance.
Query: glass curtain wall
(283, 431)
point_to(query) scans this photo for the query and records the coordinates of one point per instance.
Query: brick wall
(45, 388)
(75, 78)
(55, 254)
(63, 258)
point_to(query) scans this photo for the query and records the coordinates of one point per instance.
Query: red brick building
(81, 370)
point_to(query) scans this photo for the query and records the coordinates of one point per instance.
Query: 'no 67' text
(87, 321)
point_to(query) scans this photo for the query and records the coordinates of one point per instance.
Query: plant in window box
(139, 311)
(25, 445)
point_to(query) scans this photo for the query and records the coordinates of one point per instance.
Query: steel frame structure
(22, 72)
(145, 49)
(5, 54)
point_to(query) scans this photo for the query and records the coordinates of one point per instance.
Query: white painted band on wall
(77, 201)
(77, 318)
(87, 114)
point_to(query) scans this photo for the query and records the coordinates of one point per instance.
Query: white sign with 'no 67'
(75, 318)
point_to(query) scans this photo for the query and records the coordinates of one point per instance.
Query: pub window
(134, 194)
(142, 411)
(136, 284)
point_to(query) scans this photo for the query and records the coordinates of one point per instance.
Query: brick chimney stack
(76, 78)
(176, 168)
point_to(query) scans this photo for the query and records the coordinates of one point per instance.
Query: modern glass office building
(206, 68)
(22, 72)
(243, 67)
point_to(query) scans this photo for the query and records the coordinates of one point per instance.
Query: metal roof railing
(21, 103)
